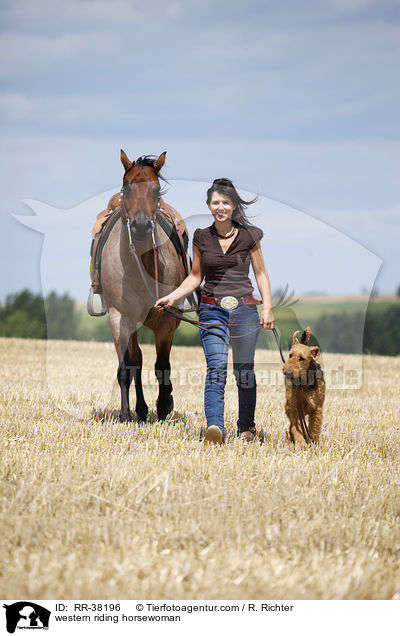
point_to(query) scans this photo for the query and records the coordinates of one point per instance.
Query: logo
(26, 615)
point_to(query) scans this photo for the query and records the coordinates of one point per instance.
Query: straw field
(93, 508)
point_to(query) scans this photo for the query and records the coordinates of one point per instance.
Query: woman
(221, 255)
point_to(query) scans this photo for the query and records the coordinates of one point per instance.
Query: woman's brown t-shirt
(226, 274)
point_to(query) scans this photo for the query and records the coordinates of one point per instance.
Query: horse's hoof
(125, 416)
(165, 408)
(142, 412)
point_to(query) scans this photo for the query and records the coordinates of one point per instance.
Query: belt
(230, 302)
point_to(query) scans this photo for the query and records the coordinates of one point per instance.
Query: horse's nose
(140, 228)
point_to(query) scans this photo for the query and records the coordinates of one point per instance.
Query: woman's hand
(167, 301)
(186, 288)
(267, 319)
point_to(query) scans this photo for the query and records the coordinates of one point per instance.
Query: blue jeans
(243, 322)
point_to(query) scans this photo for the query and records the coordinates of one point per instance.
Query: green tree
(61, 317)
(23, 315)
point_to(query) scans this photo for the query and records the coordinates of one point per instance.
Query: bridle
(153, 239)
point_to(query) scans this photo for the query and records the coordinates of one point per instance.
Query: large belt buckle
(229, 302)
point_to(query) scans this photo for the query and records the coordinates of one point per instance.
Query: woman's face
(221, 207)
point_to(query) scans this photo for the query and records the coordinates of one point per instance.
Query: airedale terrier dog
(303, 371)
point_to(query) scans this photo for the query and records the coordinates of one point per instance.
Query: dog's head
(302, 359)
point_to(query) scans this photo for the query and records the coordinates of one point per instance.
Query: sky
(295, 102)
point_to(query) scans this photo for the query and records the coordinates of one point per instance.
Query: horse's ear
(158, 164)
(294, 337)
(127, 163)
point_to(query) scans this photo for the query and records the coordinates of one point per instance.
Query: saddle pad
(98, 242)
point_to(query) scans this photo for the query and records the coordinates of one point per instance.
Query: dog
(304, 381)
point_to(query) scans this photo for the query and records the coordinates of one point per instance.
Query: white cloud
(20, 52)
(15, 105)
(377, 223)
(343, 7)
(40, 15)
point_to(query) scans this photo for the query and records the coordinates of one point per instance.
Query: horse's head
(141, 193)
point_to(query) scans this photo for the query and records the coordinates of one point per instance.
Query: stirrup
(89, 305)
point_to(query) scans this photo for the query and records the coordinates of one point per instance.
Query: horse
(139, 264)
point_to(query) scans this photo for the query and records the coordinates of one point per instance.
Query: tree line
(28, 315)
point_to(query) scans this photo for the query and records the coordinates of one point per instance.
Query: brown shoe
(213, 435)
(248, 436)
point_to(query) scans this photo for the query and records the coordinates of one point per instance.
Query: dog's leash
(200, 325)
(303, 423)
(278, 342)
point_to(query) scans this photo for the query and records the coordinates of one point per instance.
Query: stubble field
(93, 508)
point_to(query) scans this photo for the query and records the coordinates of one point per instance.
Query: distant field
(306, 311)
(92, 508)
(312, 308)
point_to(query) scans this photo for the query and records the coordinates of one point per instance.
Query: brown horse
(139, 262)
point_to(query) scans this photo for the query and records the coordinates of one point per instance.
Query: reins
(133, 249)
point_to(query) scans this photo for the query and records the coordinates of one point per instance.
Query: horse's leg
(122, 330)
(124, 380)
(136, 360)
(165, 401)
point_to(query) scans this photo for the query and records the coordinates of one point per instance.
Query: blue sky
(298, 102)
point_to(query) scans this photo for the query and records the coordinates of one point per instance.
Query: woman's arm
(188, 286)
(264, 286)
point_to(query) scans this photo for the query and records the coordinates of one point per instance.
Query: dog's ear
(294, 337)
(315, 351)
(305, 336)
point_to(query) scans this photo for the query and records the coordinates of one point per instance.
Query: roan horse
(127, 297)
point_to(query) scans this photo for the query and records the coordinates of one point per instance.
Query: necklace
(231, 233)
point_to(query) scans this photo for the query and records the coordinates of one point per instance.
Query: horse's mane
(148, 160)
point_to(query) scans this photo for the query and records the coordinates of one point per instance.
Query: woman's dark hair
(225, 186)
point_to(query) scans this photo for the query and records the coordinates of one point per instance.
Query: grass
(93, 508)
